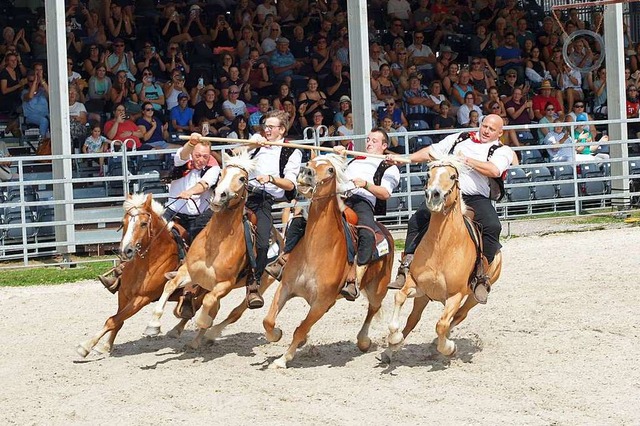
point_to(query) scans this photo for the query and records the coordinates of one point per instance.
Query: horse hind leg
(452, 305)
(419, 304)
(375, 290)
(460, 316)
(316, 312)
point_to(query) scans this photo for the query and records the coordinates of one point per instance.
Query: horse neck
(231, 218)
(325, 213)
(442, 224)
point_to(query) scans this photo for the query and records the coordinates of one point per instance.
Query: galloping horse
(151, 251)
(443, 262)
(218, 255)
(317, 267)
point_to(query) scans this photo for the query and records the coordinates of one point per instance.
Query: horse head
(232, 186)
(442, 189)
(141, 222)
(322, 176)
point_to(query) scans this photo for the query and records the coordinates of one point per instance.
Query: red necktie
(360, 157)
(474, 137)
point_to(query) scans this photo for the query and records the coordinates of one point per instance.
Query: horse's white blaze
(126, 238)
(437, 206)
(225, 183)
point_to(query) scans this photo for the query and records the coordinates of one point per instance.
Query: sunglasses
(119, 45)
(578, 106)
(390, 103)
(475, 63)
(550, 109)
(495, 107)
(234, 93)
(148, 109)
(633, 89)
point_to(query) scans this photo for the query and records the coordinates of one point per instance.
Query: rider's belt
(256, 192)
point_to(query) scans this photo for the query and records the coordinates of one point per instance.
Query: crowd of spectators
(144, 70)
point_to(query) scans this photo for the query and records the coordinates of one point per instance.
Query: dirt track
(557, 344)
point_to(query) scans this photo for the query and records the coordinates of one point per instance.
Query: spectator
(321, 58)
(122, 129)
(423, 57)
(119, 24)
(393, 111)
(294, 126)
(150, 91)
(154, 131)
(509, 56)
(77, 117)
(76, 79)
(312, 100)
(443, 120)
(417, 102)
(519, 111)
(150, 59)
(98, 95)
(581, 133)
(536, 70)
(318, 125)
(208, 111)
(95, 143)
(396, 31)
(446, 58)
(270, 38)
(342, 54)
(549, 117)
(396, 144)
(523, 34)
(436, 95)
(483, 43)
(121, 61)
(285, 66)
(222, 35)
(338, 83)
(194, 26)
(451, 78)
(543, 98)
(173, 88)
(506, 89)
(248, 41)
(234, 79)
(39, 42)
(12, 82)
(494, 98)
(468, 106)
(599, 90)
(474, 120)
(284, 91)
(399, 10)
(123, 92)
(233, 107)
(182, 116)
(376, 59)
(383, 86)
(346, 130)
(94, 58)
(558, 138)
(239, 128)
(345, 105)
(555, 64)
(265, 9)
(482, 76)
(255, 72)
(244, 14)
(35, 102)
(12, 40)
(300, 46)
(254, 119)
(171, 24)
(461, 88)
(570, 85)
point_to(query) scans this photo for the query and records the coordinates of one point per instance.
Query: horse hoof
(395, 338)
(449, 348)
(301, 344)
(82, 351)
(102, 349)
(364, 344)
(151, 331)
(213, 333)
(279, 363)
(274, 336)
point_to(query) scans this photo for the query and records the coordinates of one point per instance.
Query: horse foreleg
(210, 308)
(176, 331)
(272, 333)
(419, 303)
(300, 335)
(463, 311)
(452, 305)
(153, 327)
(375, 290)
(113, 325)
(409, 290)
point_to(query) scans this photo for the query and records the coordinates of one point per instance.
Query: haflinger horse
(443, 262)
(317, 267)
(151, 251)
(218, 256)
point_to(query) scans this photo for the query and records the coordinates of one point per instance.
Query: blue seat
(531, 156)
(516, 175)
(564, 173)
(542, 191)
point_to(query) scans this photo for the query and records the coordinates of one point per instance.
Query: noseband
(138, 246)
(244, 185)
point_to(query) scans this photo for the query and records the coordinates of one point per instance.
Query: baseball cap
(182, 96)
(512, 72)
(283, 40)
(345, 98)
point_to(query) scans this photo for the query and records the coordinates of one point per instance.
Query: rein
(244, 185)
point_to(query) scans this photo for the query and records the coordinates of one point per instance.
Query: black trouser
(366, 238)
(200, 222)
(188, 222)
(260, 203)
(485, 215)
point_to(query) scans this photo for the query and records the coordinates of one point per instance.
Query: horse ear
(129, 196)
(226, 157)
(148, 200)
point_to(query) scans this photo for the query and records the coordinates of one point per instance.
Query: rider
(266, 186)
(198, 172)
(474, 185)
(363, 194)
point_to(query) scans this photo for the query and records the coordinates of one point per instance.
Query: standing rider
(364, 191)
(474, 151)
(266, 186)
(196, 172)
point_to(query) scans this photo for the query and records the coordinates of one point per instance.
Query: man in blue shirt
(182, 115)
(284, 65)
(35, 102)
(254, 119)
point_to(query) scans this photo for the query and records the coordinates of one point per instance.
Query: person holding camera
(150, 91)
(123, 92)
(151, 59)
(256, 73)
(222, 35)
(122, 129)
(194, 26)
(35, 102)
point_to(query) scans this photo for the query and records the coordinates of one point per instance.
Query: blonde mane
(339, 164)
(137, 201)
(241, 159)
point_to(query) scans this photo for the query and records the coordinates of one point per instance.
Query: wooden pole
(296, 145)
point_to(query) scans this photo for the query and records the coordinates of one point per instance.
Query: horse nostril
(223, 195)
(128, 252)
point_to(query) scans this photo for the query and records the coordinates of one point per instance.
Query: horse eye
(454, 177)
(143, 224)
(243, 179)
(331, 170)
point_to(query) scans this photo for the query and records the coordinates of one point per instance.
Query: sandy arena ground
(556, 345)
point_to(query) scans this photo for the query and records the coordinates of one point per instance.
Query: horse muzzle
(127, 252)
(435, 199)
(306, 181)
(221, 200)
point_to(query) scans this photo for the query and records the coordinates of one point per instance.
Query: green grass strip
(25, 277)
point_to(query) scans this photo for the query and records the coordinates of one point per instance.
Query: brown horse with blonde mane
(317, 267)
(151, 251)
(443, 263)
(218, 256)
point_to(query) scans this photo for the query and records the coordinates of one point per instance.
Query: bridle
(138, 247)
(245, 186)
(455, 185)
(319, 184)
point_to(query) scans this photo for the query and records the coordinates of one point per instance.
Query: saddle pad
(382, 246)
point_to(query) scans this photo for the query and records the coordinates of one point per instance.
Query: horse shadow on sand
(335, 354)
(427, 355)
